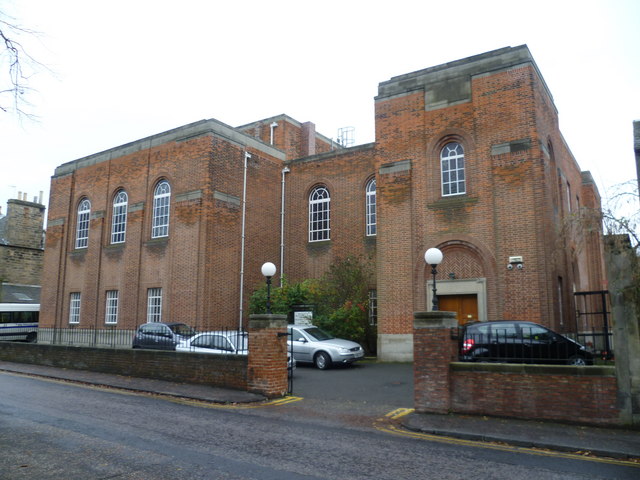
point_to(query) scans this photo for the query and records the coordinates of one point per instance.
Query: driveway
(366, 382)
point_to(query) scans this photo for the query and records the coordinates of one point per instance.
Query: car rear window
(182, 329)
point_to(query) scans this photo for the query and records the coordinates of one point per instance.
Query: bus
(19, 321)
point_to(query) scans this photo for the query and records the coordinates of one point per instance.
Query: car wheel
(322, 360)
(32, 337)
(577, 360)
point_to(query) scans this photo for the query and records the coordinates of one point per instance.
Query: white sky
(126, 69)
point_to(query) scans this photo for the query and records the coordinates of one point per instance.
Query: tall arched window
(82, 228)
(371, 207)
(161, 201)
(119, 217)
(319, 203)
(452, 166)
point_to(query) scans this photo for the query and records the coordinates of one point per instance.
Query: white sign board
(303, 318)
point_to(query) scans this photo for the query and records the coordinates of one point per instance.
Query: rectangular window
(74, 308)
(373, 307)
(111, 312)
(154, 305)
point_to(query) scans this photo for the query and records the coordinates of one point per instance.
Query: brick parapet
(434, 348)
(267, 365)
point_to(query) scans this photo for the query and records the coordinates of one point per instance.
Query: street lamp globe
(268, 269)
(433, 256)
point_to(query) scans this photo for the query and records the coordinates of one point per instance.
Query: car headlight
(344, 350)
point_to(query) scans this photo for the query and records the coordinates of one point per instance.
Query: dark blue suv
(519, 342)
(161, 336)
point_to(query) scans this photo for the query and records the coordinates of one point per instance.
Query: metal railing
(493, 343)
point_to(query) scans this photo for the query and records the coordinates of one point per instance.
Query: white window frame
(319, 215)
(119, 217)
(371, 214)
(111, 308)
(452, 167)
(154, 305)
(161, 203)
(82, 226)
(74, 308)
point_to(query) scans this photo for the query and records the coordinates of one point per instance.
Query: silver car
(310, 344)
(222, 342)
(215, 342)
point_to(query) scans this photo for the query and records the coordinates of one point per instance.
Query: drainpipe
(273, 125)
(285, 170)
(247, 156)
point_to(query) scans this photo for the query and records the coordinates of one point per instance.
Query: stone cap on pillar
(437, 319)
(262, 321)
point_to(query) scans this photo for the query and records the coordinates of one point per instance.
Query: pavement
(619, 443)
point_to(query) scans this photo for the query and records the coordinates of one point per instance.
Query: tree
(621, 220)
(340, 297)
(621, 216)
(16, 68)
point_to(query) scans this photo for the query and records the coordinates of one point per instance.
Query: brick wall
(345, 175)
(586, 395)
(571, 394)
(522, 183)
(228, 371)
(198, 264)
(263, 371)
(267, 366)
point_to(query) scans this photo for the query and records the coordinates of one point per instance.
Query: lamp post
(268, 270)
(433, 257)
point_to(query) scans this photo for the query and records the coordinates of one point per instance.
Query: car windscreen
(317, 334)
(182, 329)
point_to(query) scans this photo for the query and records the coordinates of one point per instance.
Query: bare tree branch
(16, 68)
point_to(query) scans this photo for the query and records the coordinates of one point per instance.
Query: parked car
(221, 342)
(310, 344)
(519, 342)
(215, 342)
(161, 336)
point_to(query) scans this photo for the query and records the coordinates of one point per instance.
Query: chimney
(308, 140)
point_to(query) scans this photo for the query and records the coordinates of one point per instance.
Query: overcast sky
(124, 70)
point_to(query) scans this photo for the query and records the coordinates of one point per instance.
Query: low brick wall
(554, 392)
(228, 371)
(588, 395)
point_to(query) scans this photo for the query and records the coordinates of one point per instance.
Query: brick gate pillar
(267, 362)
(433, 350)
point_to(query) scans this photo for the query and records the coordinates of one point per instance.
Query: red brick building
(468, 158)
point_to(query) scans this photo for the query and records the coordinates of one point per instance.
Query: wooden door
(465, 306)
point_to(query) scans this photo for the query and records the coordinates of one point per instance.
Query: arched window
(319, 203)
(82, 228)
(452, 166)
(371, 207)
(119, 217)
(161, 200)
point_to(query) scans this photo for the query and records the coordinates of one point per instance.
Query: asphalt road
(385, 384)
(53, 430)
